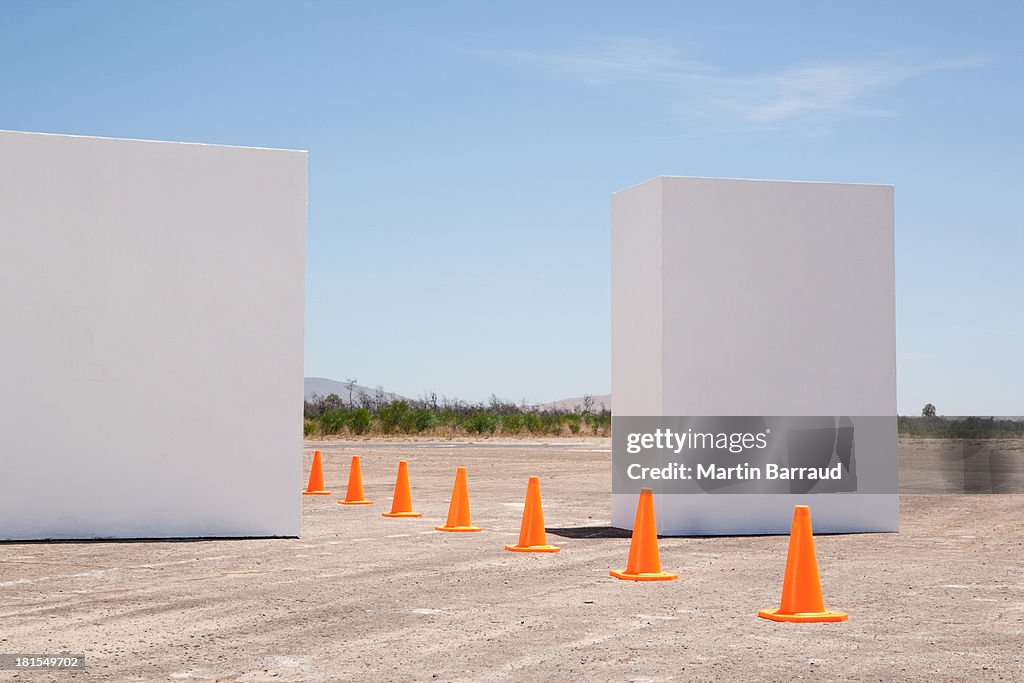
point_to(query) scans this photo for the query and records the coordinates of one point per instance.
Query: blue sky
(462, 157)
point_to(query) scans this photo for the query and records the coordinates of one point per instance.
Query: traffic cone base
(645, 576)
(458, 528)
(533, 548)
(316, 493)
(401, 514)
(805, 617)
(355, 502)
(801, 586)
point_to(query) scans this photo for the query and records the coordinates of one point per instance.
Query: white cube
(756, 298)
(152, 303)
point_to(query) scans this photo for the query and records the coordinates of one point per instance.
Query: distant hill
(325, 387)
(600, 400)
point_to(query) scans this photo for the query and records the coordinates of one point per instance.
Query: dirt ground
(361, 597)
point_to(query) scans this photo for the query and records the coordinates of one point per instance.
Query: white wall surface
(637, 301)
(151, 330)
(765, 298)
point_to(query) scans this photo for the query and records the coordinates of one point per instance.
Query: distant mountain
(325, 387)
(600, 400)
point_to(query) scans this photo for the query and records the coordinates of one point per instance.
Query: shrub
(390, 416)
(552, 424)
(574, 421)
(416, 421)
(450, 418)
(534, 423)
(481, 423)
(601, 424)
(333, 422)
(308, 428)
(359, 421)
(512, 423)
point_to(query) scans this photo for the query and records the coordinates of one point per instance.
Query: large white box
(151, 326)
(756, 298)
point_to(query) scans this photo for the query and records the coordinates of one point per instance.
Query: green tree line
(372, 415)
(429, 416)
(960, 428)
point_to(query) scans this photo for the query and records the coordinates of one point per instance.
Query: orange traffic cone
(315, 487)
(801, 588)
(401, 504)
(643, 563)
(458, 510)
(354, 494)
(532, 536)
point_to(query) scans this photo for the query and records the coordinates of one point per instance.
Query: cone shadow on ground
(144, 539)
(584, 532)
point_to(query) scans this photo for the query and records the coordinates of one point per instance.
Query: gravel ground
(361, 597)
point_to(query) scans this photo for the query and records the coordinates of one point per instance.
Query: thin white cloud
(828, 88)
(606, 63)
(701, 90)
